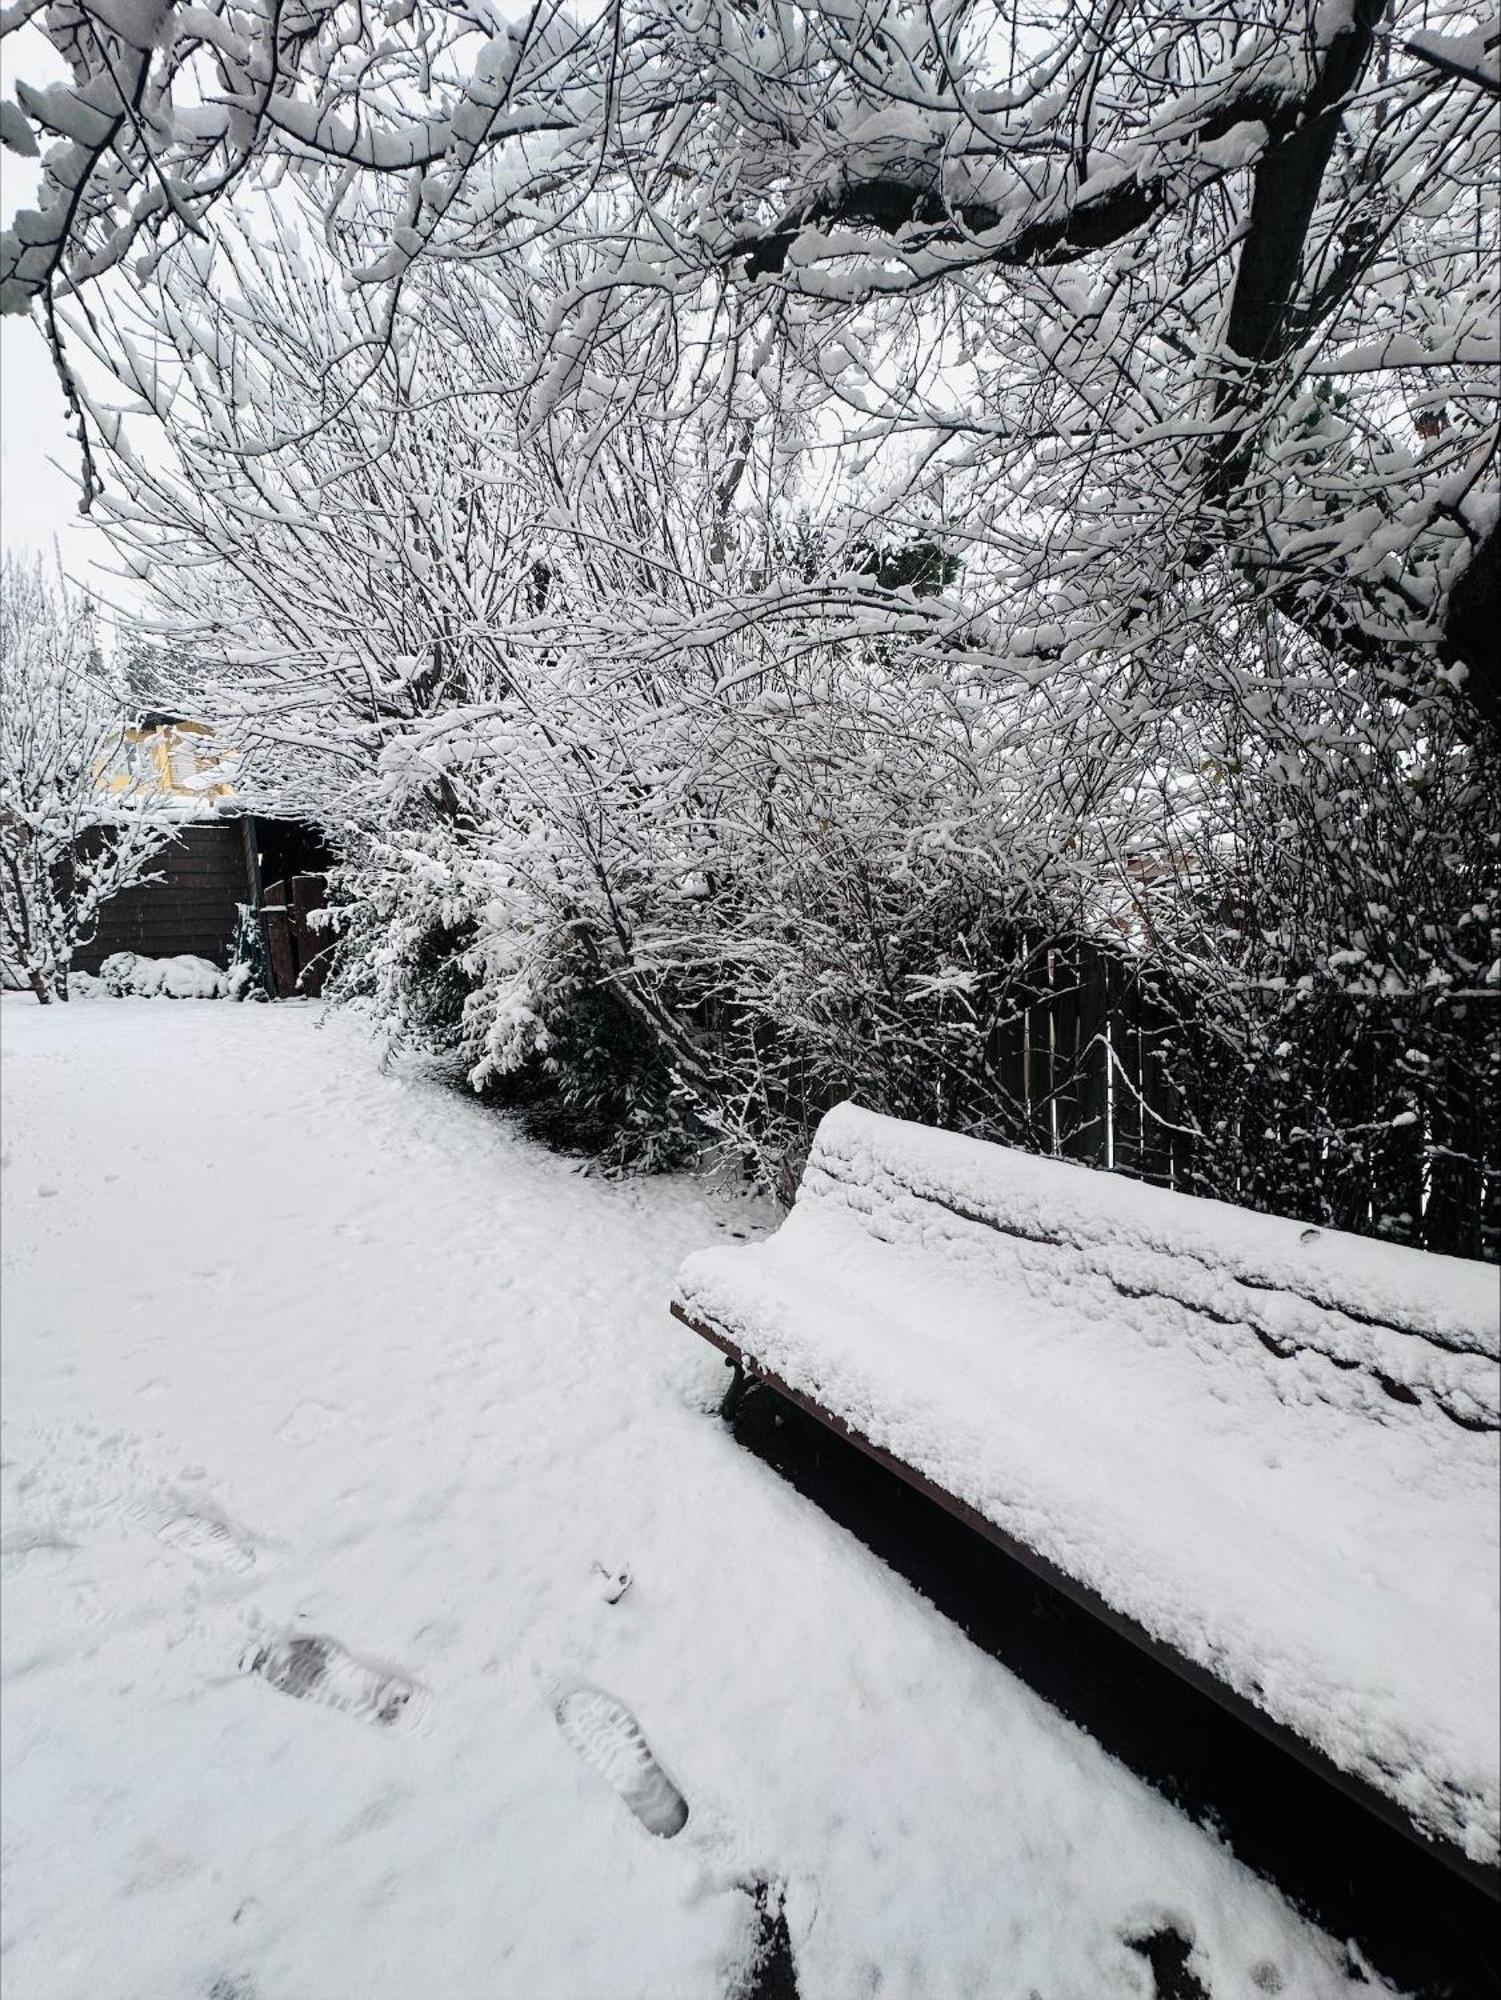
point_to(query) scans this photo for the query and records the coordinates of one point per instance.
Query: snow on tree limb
(1182, 223)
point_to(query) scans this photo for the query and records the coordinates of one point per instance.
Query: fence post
(312, 946)
(1097, 990)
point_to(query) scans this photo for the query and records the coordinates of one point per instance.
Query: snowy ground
(294, 1347)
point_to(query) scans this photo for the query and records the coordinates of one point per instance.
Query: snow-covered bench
(1267, 1452)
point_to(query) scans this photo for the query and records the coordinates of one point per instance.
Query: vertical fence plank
(1039, 1029)
(1127, 1137)
(1065, 1015)
(1007, 1061)
(276, 919)
(1097, 988)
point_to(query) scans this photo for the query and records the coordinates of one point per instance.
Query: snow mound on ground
(127, 973)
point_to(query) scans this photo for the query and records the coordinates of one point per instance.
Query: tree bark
(1472, 628)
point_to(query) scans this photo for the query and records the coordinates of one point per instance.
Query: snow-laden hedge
(687, 923)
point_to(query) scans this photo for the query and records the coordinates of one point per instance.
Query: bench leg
(738, 1386)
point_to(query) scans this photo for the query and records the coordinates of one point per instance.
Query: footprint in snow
(771, 1973)
(231, 1987)
(608, 1738)
(615, 1578)
(213, 1543)
(1167, 1947)
(311, 1667)
(34, 1552)
(308, 1423)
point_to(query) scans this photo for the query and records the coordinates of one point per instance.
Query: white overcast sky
(38, 498)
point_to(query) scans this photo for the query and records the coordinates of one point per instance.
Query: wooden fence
(1099, 1066)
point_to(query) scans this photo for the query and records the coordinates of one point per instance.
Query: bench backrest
(1383, 1326)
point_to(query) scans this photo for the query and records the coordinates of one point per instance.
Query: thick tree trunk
(1472, 628)
(1285, 192)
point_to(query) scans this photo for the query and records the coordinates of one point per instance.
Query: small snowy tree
(66, 846)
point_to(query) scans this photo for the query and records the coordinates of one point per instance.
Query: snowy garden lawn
(293, 1346)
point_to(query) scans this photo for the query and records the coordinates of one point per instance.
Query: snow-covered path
(296, 1347)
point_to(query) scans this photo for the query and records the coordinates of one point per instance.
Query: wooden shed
(211, 868)
(220, 860)
(193, 905)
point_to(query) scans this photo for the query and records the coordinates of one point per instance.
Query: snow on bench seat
(1270, 1449)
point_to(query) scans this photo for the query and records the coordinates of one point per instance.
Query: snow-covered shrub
(711, 919)
(716, 925)
(249, 960)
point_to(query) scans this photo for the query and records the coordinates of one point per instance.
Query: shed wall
(192, 908)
